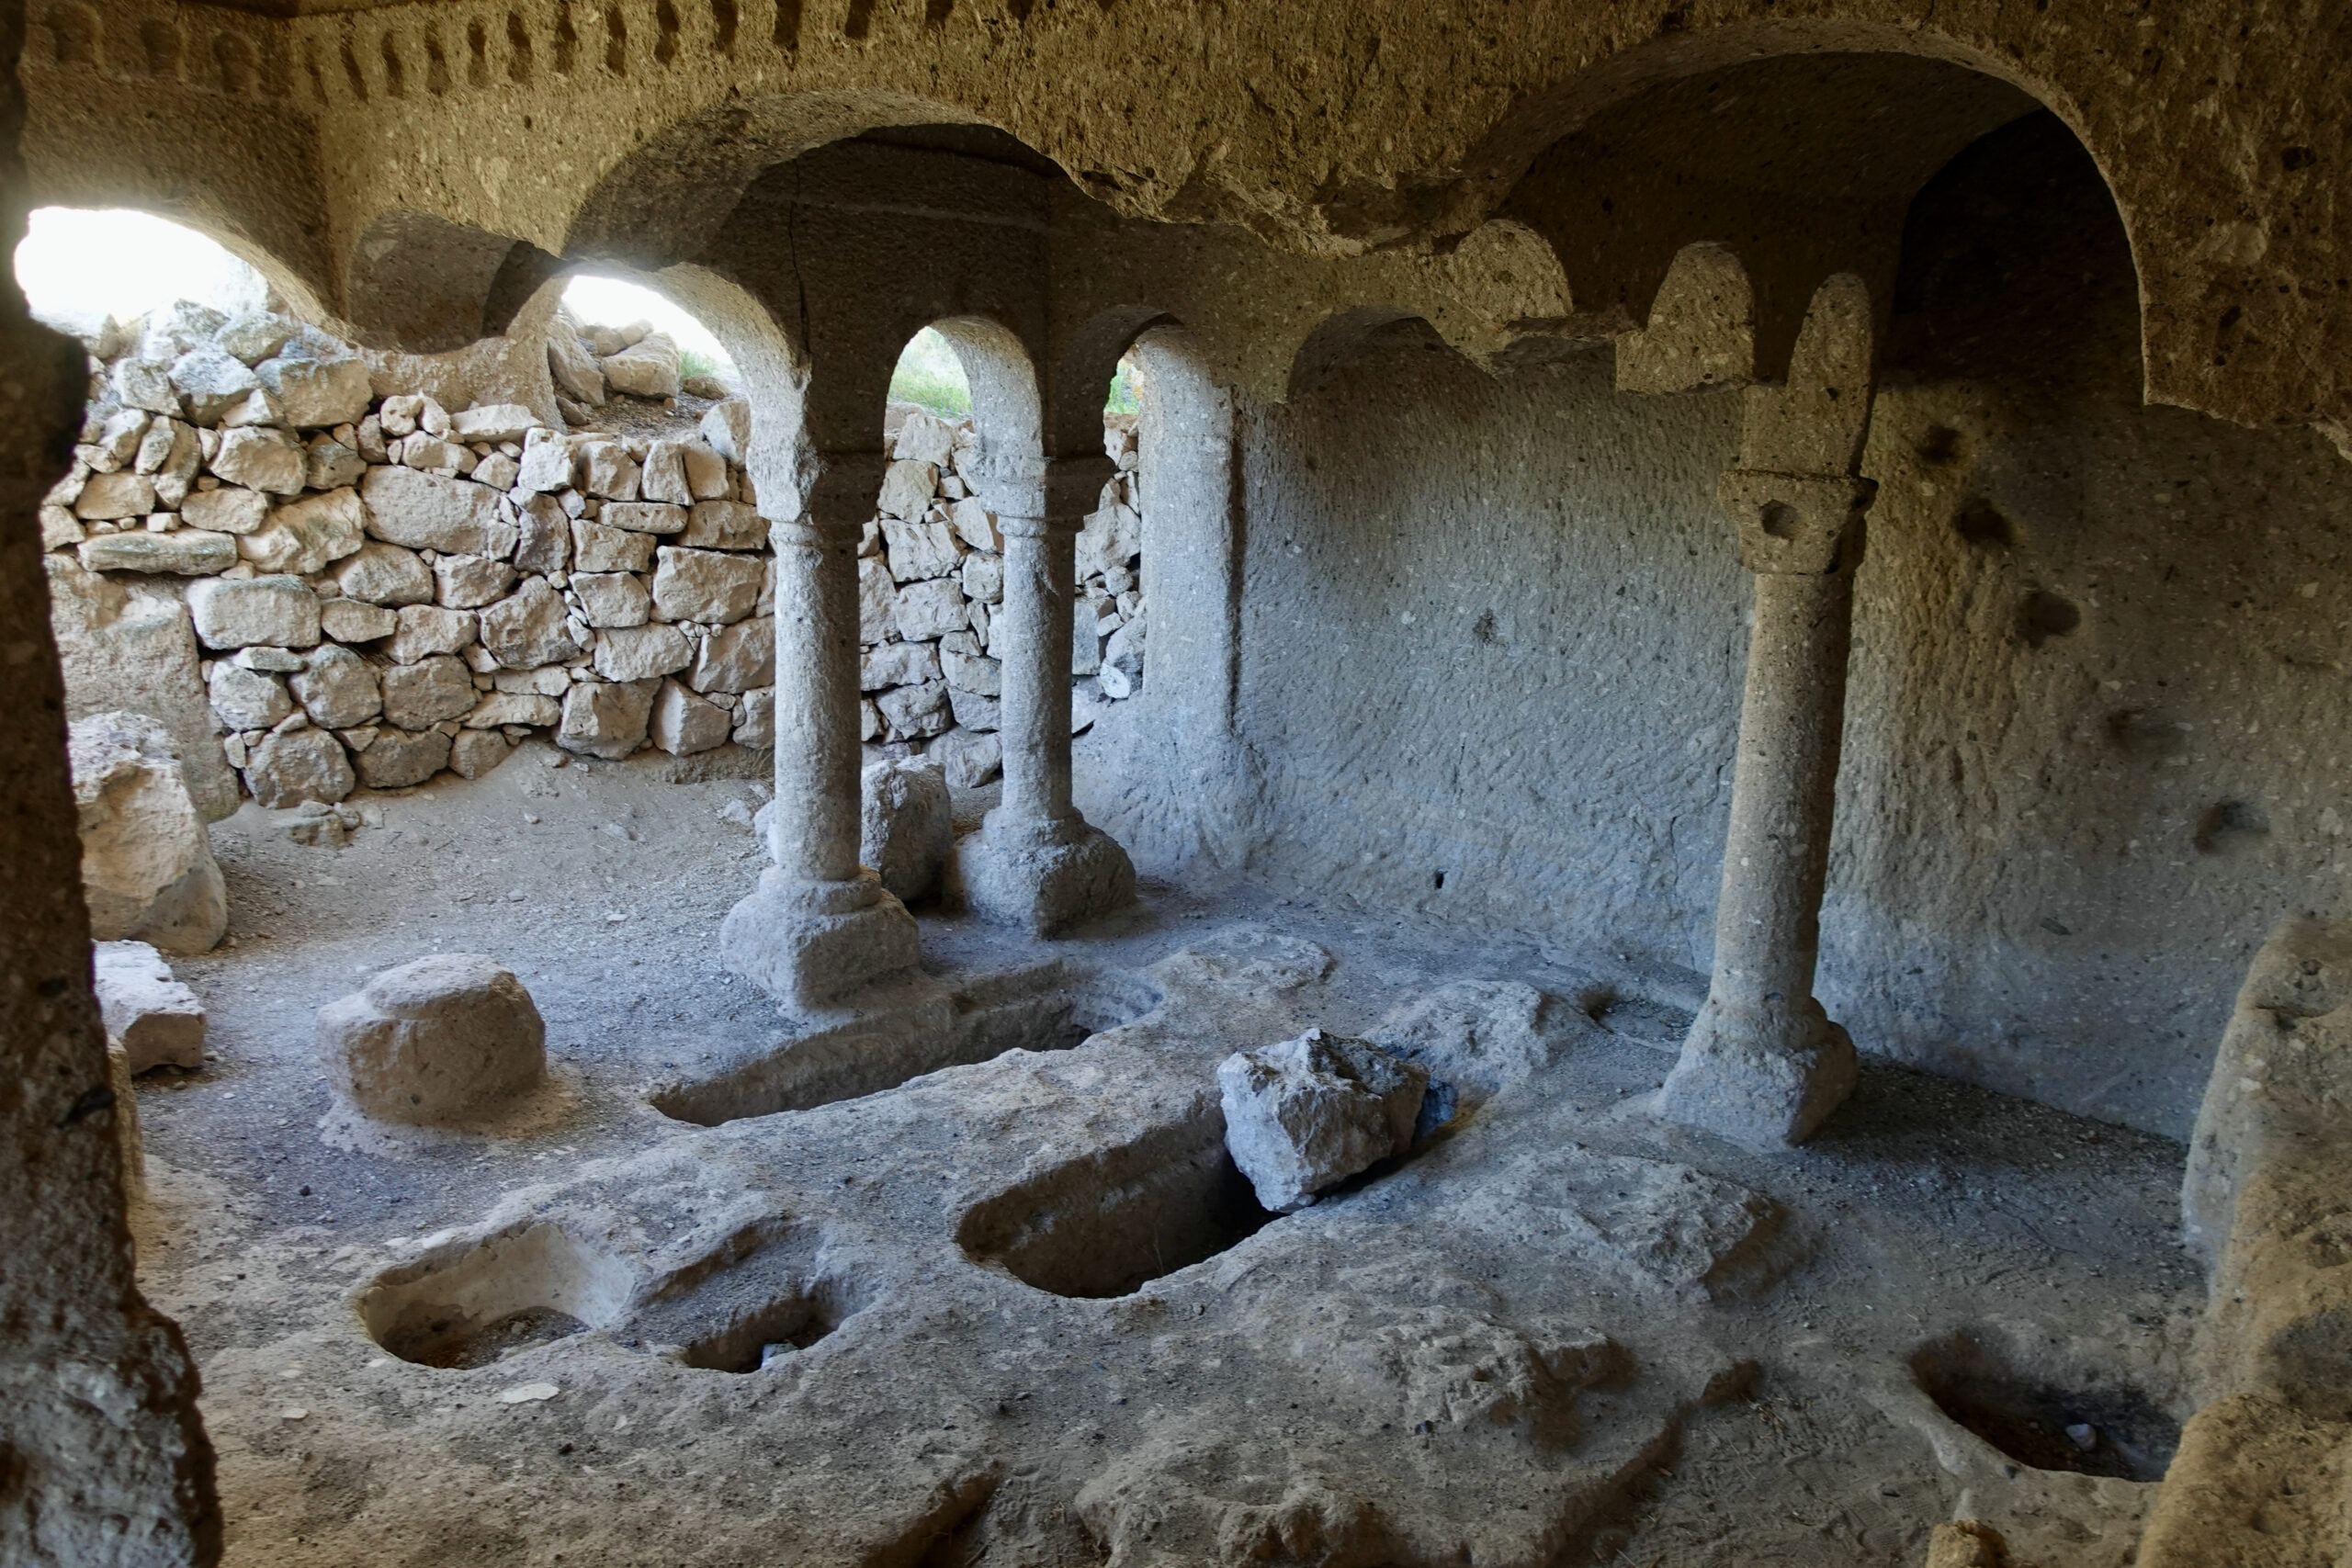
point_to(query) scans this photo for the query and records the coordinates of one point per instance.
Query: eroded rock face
(147, 867)
(447, 1038)
(1304, 1114)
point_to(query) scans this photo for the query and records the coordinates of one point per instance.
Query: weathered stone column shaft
(813, 827)
(1035, 643)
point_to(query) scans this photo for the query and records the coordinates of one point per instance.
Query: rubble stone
(425, 630)
(907, 826)
(725, 526)
(612, 599)
(309, 534)
(384, 574)
(740, 658)
(475, 753)
(525, 628)
(606, 718)
(231, 509)
(428, 511)
(246, 699)
(469, 582)
(317, 393)
(683, 723)
(260, 458)
(147, 867)
(157, 1021)
(337, 688)
(183, 552)
(419, 695)
(451, 1038)
(264, 612)
(640, 653)
(298, 765)
(1304, 1114)
(706, 586)
(397, 758)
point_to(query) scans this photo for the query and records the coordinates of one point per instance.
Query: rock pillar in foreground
(818, 925)
(1036, 861)
(1763, 1063)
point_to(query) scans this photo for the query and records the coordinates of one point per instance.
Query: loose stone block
(645, 517)
(907, 489)
(969, 757)
(898, 664)
(183, 552)
(247, 699)
(147, 867)
(397, 758)
(231, 509)
(468, 582)
(740, 658)
(728, 427)
(354, 620)
(612, 599)
(725, 526)
(547, 464)
(640, 653)
(500, 708)
(607, 471)
(596, 547)
(264, 612)
(906, 825)
(428, 511)
(915, 711)
(683, 723)
(446, 1039)
(707, 586)
(477, 752)
(925, 610)
(605, 718)
(210, 380)
(309, 534)
(425, 630)
(154, 1019)
(317, 393)
(755, 717)
(920, 550)
(647, 368)
(300, 765)
(492, 423)
(261, 458)
(526, 628)
(108, 498)
(337, 688)
(384, 574)
(1303, 1115)
(419, 695)
(877, 601)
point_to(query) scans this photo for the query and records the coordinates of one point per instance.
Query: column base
(807, 943)
(1764, 1077)
(1046, 879)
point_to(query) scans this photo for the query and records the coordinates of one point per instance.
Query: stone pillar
(1036, 861)
(818, 925)
(1763, 1065)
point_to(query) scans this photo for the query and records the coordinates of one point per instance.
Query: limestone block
(354, 620)
(247, 699)
(984, 578)
(755, 717)
(231, 509)
(478, 752)
(425, 630)
(640, 653)
(261, 458)
(575, 370)
(545, 541)
(969, 757)
(1303, 1115)
(598, 546)
(468, 582)
(976, 525)
(429, 512)
(725, 526)
(332, 464)
(973, 673)
(907, 826)
(156, 447)
(647, 368)
(419, 695)
(109, 498)
(183, 552)
(136, 652)
(922, 611)
(974, 712)
(663, 477)
(525, 628)
(58, 529)
(497, 709)
(143, 384)
(645, 517)
(706, 475)
(924, 438)
(397, 758)
(907, 489)
(683, 723)
(451, 1038)
(877, 601)
(707, 586)
(548, 463)
(337, 688)
(254, 335)
(612, 599)
(154, 1019)
(727, 426)
(254, 612)
(147, 867)
(915, 711)
(256, 408)
(309, 534)
(896, 664)
(607, 471)
(384, 574)
(605, 718)
(740, 658)
(494, 422)
(1122, 672)
(300, 765)
(1085, 647)
(318, 393)
(210, 379)
(919, 550)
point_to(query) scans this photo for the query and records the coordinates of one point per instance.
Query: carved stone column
(1036, 861)
(1763, 1063)
(818, 925)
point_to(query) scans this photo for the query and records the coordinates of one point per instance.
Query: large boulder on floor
(147, 867)
(908, 827)
(1303, 1115)
(155, 1020)
(453, 1038)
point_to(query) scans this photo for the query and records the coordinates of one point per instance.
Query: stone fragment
(1477, 1037)
(231, 509)
(645, 517)
(647, 368)
(157, 1021)
(261, 458)
(915, 711)
(1967, 1543)
(976, 525)
(707, 586)
(468, 582)
(332, 464)
(640, 653)
(256, 408)
(706, 475)
(210, 380)
(58, 529)
(274, 661)
(755, 717)
(575, 370)
(683, 723)
(1303, 1115)
(398, 758)
(298, 765)
(475, 753)
(354, 620)
(425, 630)
(428, 511)
(109, 498)
(155, 447)
(498, 708)
(1113, 538)
(922, 611)
(920, 550)
(318, 393)
(596, 547)
(607, 471)
(907, 489)
(183, 552)
(254, 335)
(255, 612)
(494, 422)
(969, 757)
(725, 526)
(247, 699)
(309, 534)
(924, 438)
(451, 1038)
(337, 688)
(547, 464)
(143, 384)
(877, 601)
(898, 664)
(604, 718)
(147, 867)
(525, 628)
(384, 574)
(612, 598)
(907, 826)
(545, 542)
(419, 695)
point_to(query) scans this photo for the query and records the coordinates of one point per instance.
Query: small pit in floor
(1049, 1006)
(1109, 1224)
(792, 1322)
(2106, 1429)
(521, 1289)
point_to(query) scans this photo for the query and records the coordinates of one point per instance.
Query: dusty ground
(1560, 1333)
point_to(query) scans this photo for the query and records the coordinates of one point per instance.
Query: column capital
(1017, 527)
(1795, 523)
